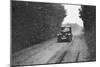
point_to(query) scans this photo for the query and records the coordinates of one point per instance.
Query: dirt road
(53, 52)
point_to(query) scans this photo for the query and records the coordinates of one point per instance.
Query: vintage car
(65, 35)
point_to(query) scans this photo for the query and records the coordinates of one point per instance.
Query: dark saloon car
(65, 35)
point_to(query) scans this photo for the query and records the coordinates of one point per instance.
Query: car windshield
(66, 29)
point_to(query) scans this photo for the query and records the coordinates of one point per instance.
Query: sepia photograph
(44, 33)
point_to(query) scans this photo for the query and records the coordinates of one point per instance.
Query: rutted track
(53, 52)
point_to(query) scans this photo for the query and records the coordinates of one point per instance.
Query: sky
(72, 14)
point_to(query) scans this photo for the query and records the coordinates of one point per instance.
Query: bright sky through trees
(72, 14)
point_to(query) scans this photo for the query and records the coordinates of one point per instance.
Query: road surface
(53, 52)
